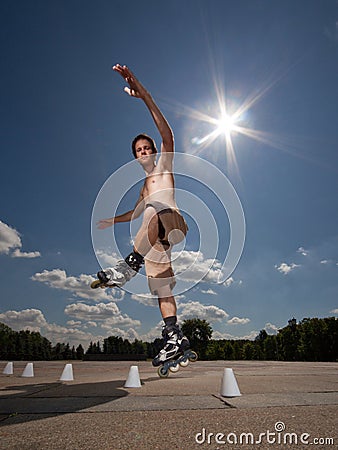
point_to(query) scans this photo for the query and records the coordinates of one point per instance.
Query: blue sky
(66, 127)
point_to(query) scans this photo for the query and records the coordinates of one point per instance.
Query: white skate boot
(120, 274)
(175, 353)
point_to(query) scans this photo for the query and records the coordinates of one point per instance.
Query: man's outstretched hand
(104, 223)
(135, 89)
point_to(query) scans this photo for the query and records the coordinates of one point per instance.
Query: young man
(162, 224)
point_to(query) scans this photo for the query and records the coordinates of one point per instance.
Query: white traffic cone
(67, 374)
(229, 384)
(133, 380)
(28, 371)
(8, 370)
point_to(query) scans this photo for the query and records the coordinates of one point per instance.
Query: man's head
(140, 142)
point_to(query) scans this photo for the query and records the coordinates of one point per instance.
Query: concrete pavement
(184, 411)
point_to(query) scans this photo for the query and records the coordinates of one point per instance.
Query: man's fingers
(117, 68)
(131, 92)
(122, 70)
(129, 78)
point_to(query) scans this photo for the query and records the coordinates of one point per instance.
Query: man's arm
(105, 223)
(136, 89)
(126, 217)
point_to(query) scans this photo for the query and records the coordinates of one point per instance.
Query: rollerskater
(162, 226)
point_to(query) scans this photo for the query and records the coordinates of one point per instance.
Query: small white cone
(133, 380)
(67, 374)
(8, 370)
(28, 371)
(229, 384)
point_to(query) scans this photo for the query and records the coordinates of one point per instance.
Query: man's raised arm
(136, 89)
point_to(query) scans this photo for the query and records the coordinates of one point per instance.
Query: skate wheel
(184, 362)
(193, 356)
(95, 284)
(174, 368)
(162, 372)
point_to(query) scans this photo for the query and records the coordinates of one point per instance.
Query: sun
(232, 120)
(225, 125)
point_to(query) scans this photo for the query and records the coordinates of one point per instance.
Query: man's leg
(144, 241)
(175, 343)
(167, 306)
(148, 233)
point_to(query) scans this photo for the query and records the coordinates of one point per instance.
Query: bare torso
(159, 186)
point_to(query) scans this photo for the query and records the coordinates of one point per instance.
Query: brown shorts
(172, 230)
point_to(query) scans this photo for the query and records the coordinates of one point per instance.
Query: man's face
(144, 152)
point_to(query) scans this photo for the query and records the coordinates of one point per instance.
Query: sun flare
(225, 125)
(227, 118)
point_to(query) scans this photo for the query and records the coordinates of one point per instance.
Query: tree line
(311, 339)
(31, 346)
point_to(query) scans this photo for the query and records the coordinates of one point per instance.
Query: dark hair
(146, 137)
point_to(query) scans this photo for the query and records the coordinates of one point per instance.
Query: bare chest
(158, 182)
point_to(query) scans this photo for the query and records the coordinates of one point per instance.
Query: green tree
(318, 339)
(237, 349)
(199, 333)
(270, 349)
(7, 344)
(215, 350)
(289, 338)
(79, 352)
(248, 350)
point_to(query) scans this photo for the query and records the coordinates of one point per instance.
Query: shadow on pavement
(29, 402)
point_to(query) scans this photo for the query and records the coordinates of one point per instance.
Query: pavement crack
(222, 399)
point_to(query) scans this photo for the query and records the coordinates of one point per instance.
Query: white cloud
(324, 261)
(209, 292)
(129, 334)
(334, 311)
(153, 333)
(79, 286)
(251, 336)
(209, 313)
(31, 319)
(285, 268)
(19, 254)
(122, 320)
(100, 311)
(223, 335)
(57, 333)
(145, 299)
(74, 323)
(238, 321)
(34, 320)
(302, 251)
(193, 266)
(229, 282)
(90, 324)
(9, 238)
(232, 282)
(270, 328)
(108, 314)
(218, 335)
(10, 241)
(108, 259)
